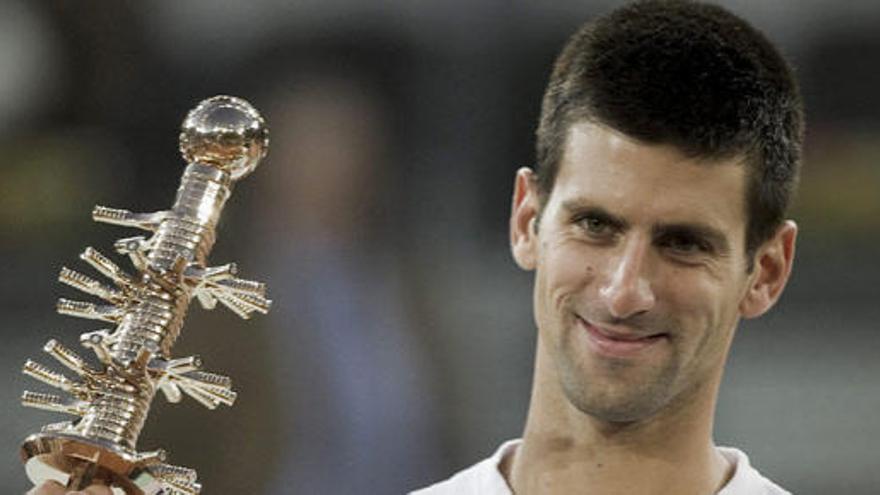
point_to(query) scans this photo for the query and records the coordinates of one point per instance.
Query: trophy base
(77, 462)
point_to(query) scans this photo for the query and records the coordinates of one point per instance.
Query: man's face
(640, 272)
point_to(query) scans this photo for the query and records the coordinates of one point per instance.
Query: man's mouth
(619, 342)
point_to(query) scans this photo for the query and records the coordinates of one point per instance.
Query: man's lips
(616, 342)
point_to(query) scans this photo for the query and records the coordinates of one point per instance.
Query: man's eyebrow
(581, 208)
(695, 230)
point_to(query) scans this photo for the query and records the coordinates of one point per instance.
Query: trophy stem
(152, 324)
(119, 419)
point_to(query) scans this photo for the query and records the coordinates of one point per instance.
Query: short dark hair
(687, 74)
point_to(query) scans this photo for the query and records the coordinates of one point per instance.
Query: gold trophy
(222, 140)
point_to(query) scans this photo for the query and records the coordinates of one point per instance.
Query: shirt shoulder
(483, 478)
(746, 479)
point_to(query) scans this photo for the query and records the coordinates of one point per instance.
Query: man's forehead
(586, 137)
(603, 167)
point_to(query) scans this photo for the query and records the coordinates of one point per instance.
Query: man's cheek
(570, 266)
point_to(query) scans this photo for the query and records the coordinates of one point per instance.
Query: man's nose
(627, 289)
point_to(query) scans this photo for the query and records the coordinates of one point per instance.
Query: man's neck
(566, 451)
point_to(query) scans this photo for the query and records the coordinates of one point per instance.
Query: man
(668, 148)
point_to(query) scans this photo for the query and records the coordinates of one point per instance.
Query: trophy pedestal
(78, 463)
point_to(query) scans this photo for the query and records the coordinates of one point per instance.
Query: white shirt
(484, 478)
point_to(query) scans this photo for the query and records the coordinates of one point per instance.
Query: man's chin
(619, 412)
(621, 402)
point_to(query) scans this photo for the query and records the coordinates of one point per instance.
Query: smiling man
(668, 149)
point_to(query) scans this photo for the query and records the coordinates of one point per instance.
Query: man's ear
(773, 262)
(524, 211)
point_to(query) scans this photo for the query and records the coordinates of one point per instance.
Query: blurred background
(400, 345)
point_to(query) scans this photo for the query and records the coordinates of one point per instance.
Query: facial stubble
(616, 390)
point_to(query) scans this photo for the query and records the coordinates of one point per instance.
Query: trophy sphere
(226, 132)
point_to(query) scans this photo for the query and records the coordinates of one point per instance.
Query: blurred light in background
(29, 58)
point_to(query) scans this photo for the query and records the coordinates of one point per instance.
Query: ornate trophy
(222, 140)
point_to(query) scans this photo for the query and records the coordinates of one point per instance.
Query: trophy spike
(185, 375)
(37, 371)
(125, 218)
(81, 309)
(222, 140)
(67, 357)
(180, 480)
(106, 267)
(54, 403)
(89, 285)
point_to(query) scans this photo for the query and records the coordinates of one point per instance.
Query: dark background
(399, 348)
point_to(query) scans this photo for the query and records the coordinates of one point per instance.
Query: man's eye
(595, 226)
(686, 245)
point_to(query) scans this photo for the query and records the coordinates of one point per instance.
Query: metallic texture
(222, 139)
